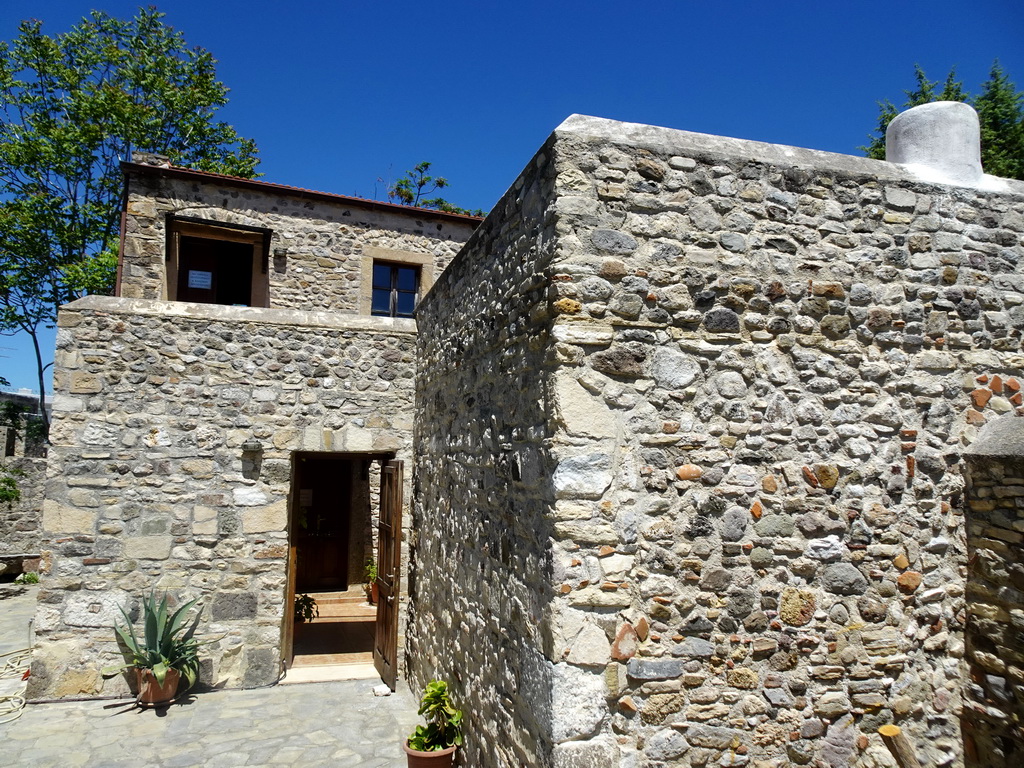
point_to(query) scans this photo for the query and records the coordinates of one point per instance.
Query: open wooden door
(389, 561)
(288, 622)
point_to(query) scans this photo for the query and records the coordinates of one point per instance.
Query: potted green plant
(166, 652)
(372, 590)
(305, 609)
(433, 745)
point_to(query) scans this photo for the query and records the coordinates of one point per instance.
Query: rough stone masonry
(150, 484)
(690, 417)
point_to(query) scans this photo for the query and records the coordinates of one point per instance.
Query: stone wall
(319, 245)
(148, 485)
(993, 714)
(20, 520)
(21, 430)
(480, 562)
(751, 385)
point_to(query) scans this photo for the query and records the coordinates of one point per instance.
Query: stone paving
(336, 724)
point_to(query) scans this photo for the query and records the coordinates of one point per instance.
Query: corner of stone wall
(764, 366)
(993, 694)
(482, 563)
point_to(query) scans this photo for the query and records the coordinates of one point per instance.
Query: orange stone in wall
(909, 581)
(642, 627)
(626, 640)
(689, 472)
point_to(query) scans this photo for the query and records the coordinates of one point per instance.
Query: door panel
(389, 561)
(321, 533)
(288, 622)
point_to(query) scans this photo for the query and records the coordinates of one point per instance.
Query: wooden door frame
(389, 571)
(288, 620)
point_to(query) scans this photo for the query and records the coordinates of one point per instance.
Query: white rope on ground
(13, 664)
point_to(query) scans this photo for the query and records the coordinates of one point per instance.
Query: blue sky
(341, 94)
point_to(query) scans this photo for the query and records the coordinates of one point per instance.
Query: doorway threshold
(325, 673)
(338, 643)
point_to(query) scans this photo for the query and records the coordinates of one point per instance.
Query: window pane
(407, 278)
(381, 276)
(406, 303)
(381, 302)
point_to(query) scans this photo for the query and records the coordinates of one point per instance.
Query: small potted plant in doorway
(167, 651)
(305, 609)
(433, 745)
(370, 577)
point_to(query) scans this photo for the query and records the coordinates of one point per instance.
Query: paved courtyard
(315, 724)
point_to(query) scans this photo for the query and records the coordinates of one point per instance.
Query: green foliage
(9, 491)
(411, 188)
(1001, 114)
(370, 574)
(305, 608)
(96, 275)
(72, 107)
(444, 722)
(28, 577)
(167, 642)
(1000, 108)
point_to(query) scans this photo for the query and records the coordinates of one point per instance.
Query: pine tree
(1001, 114)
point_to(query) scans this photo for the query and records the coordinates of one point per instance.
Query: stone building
(22, 458)
(229, 413)
(689, 429)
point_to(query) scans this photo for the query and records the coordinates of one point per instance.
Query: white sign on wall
(199, 279)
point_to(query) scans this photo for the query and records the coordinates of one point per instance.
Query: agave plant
(167, 642)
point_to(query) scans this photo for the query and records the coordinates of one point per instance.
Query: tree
(71, 108)
(1000, 110)
(9, 492)
(411, 188)
(1001, 114)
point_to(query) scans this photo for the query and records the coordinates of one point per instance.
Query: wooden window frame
(394, 290)
(373, 254)
(188, 226)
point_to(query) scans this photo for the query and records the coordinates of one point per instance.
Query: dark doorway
(335, 498)
(323, 523)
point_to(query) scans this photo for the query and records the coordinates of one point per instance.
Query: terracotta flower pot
(151, 692)
(441, 758)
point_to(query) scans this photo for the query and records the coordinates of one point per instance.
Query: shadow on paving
(337, 723)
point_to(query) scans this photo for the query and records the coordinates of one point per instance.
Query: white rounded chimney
(940, 141)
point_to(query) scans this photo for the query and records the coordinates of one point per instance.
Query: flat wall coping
(696, 144)
(292, 318)
(1003, 437)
